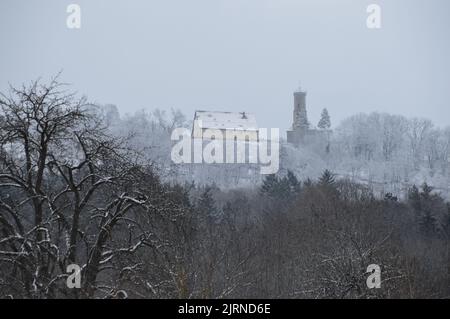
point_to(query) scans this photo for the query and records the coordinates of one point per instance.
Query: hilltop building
(240, 126)
(301, 132)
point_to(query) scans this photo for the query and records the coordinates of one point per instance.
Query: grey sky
(238, 54)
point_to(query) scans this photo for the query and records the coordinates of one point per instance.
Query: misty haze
(219, 149)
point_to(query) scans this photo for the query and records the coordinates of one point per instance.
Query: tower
(300, 125)
(301, 133)
(300, 116)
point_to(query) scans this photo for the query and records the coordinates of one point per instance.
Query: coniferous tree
(325, 121)
(428, 222)
(206, 205)
(285, 188)
(294, 183)
(390, 197)
(269, 185)
(327, 179)
(414, 199)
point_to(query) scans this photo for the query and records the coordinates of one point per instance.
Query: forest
(388, 153)
(78, 187)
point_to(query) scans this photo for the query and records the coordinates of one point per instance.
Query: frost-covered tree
(325, 121)
(69, 190)
(417, 133)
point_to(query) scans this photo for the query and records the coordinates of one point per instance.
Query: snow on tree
(325, 121)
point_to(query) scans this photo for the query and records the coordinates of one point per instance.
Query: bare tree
(65, 187)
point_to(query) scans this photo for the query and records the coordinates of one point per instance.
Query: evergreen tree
(325, 121)
(428, 222)
(294, 183)
(426, 192)
(280, 188)
(426, 206)
(327, 179)
(389, 197)
(414, 199)
(413, 193)
(206, 205)
(269, 185)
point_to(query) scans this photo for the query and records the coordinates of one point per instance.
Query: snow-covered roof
(226, 120)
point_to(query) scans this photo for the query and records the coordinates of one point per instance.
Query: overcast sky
(238, 55)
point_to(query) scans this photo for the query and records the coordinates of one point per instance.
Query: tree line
(73, 193)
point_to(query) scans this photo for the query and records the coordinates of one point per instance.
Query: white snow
(226, 120)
